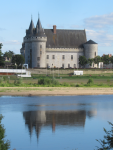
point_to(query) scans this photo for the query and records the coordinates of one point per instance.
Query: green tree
(97, 59)
(1, 56)
(18, 59)
(107, 143)
(111, 59)
(106, 59)
(83, 61)
(90, 61)
(9, 54)
(4, 145)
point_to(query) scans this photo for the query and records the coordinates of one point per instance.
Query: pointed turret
(37, 30)
(39, 24)
(41, 32)
(31, 27)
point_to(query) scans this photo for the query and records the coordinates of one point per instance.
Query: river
(56, 122)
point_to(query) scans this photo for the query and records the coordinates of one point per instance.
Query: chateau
(56, 47)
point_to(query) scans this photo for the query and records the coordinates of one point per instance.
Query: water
(56, 122)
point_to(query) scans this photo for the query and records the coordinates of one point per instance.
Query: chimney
(54, 29)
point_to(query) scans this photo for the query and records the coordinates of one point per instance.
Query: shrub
(65, 84)
(1, 80)
(107, 143)
(90, 81)
(47, 81)
(77, 85)
(4, 145)
(20, 81)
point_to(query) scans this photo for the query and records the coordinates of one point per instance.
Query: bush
(65, 84)
(47, 81)
(77, 85)
(20, 81)
(4, 145)
(1, 80)
(90, 81)
(107, 143)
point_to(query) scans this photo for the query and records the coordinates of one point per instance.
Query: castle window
(74, 65)
(40, 52)
(63, 56)
(68, 65)
(47, 56)
(62, 65)
(71, 57)
(40, 46)
(38, 65)
(38, 58)
(53, 56)
(95, 53)
(47, 65)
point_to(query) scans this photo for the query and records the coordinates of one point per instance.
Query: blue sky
(94, 16)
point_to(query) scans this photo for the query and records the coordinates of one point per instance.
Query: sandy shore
(38, 91)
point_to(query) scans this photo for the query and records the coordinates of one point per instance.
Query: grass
(105, 80)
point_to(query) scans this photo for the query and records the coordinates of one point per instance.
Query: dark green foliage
(47, 81)
(18, 59)
(97, 59)
(4, 145)
(106, 59)
(1, 56)
(9, 54)
(111, 59)
(107, 143)
(90, 81)
(83, 61)
(90, 61)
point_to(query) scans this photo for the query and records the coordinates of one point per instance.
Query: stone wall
(67, 71)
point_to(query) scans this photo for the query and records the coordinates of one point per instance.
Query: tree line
(105, 59)
(16, 59)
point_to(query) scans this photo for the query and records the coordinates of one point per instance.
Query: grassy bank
(64, 81)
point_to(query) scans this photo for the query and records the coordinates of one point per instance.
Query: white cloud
(99, 21)
(11, 42)
(101, 37)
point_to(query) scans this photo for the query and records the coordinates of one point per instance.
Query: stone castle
(56, 47)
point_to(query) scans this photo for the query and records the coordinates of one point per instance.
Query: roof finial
(38, 15)
(31, 16)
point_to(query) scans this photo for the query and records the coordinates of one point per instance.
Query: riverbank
(43, 91)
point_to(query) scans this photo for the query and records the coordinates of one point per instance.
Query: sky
(95, 16)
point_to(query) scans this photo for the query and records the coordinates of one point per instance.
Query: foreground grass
(64, 81)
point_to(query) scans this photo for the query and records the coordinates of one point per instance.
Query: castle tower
(90, 50)
(35, 46)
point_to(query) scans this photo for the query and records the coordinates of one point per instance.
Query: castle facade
(56, 47)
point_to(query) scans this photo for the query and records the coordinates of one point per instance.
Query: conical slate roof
(31, 25)
(39, 24)
(90, 42)
(40, 29)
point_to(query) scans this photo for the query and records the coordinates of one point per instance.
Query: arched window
(95, 53)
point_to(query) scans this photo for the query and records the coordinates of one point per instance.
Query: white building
(56, 47)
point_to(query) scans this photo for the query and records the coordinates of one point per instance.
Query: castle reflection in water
(37, 119)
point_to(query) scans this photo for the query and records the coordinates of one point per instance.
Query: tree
(106, 59)
(4, 145)
(9, 54)
(83, 61)
(1, 56)
(107, 143)
(18, 59)
(97, 59)
(90, 61)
